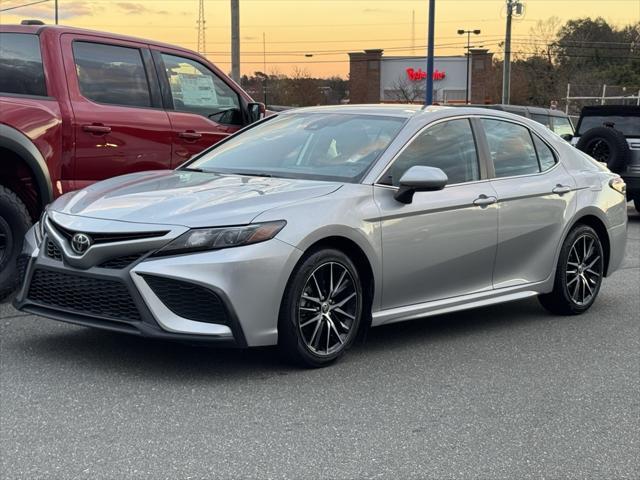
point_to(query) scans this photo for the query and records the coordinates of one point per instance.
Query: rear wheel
(321, 309)
(14, 223)
(578, 275)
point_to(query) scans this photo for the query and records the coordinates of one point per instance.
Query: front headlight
(199, 239)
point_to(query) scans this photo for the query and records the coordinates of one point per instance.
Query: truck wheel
(14, 223)
(606, 145)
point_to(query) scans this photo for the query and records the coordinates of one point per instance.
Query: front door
(202, 107)
(443, 244)
(118, 121)
(536, 197)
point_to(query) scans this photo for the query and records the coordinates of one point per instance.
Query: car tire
(578, 275)
(606, 145)
(321, 309)
(14, 223)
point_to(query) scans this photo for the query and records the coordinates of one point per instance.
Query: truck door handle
(96, 128)
(483, 201)
(561, 189)
(190, 135)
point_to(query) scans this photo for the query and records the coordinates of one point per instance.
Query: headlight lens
(618, 185)
(199, 239)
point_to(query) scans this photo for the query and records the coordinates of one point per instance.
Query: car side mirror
(256, 111)
(420, 179)
(567, 137)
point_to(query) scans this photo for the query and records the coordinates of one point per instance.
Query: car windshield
(334, 147)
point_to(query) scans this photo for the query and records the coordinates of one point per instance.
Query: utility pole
(506, 67)
(468, 32)
(202, 48)
(264, 68)
(428, 98)
(235, 40)
(55, 6)
(413, 32)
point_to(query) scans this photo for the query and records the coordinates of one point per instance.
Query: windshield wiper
(252, 174)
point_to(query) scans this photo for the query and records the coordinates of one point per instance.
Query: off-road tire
(14, 223)
(619, 154)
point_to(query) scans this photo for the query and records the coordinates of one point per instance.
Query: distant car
(555, 120)
(316, 223)
(78, 106)
(611, 135)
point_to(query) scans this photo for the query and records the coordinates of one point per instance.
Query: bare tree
(405, 91)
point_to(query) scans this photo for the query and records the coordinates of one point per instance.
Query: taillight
(618, 185)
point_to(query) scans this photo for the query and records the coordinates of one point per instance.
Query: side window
(562, 126)
(511, 148)
(21, 68)
(111, 74)
(543, 119)
(545, 156)
(196, 89)
(449, 146)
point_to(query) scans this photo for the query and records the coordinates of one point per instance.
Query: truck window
(562, 126)
(21, 68)
(196, 89)
(111, 74)
(541, 118)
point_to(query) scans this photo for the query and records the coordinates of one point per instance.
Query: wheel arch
(28, 155)
(591, 218)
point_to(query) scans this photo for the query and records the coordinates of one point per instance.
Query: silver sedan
(309, 227)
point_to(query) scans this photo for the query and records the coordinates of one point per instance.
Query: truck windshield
(318, 146)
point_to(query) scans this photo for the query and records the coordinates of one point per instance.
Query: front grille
(82, 295)
(53, 251)
(119, 263)
(108, 237)
(188, 300)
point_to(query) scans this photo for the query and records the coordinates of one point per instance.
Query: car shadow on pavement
(124, 354)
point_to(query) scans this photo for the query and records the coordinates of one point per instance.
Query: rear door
(536, 198)
(202, 107)
(119, 123)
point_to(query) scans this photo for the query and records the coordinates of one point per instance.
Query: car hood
(190, 199)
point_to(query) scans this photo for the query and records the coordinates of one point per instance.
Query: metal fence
(579, 96)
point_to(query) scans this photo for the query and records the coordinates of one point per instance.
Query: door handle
(483, 201)
(96, 128)
(190, 135)
(561, 189)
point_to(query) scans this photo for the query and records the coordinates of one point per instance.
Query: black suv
(611, 135)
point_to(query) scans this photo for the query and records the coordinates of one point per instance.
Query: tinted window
(21, 68)
(111, 74)
(629, 126)
(449, 146)
(543, 119)
(545, 155)
(562, 126)
(305, 145)
(196, 89)
(511, 148)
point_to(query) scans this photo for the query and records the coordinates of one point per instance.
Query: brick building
(375, 78)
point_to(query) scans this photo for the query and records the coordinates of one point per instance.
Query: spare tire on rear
(606, 145)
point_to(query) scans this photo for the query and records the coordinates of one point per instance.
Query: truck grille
(188, 300)
(82, 295)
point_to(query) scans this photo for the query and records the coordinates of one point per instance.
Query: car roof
(61, 29)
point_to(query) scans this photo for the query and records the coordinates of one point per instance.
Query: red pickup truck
(78, 106)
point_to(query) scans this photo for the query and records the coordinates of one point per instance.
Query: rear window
(628, 125)
(111, 74)
(21, 68)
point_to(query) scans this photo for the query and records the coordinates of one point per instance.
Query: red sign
(415, 75)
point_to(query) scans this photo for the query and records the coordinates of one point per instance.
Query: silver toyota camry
(309, 227)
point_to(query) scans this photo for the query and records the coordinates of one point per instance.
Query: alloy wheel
(327, 308)
(599, 149)
(584, 269)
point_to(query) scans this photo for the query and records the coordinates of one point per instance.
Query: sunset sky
(328, 29)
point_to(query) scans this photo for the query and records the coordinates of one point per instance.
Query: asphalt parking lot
(502, 392)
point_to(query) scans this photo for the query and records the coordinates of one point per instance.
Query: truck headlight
(199, 239)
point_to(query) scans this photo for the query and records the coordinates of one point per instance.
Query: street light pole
(468, 32)
(56, 11)
(428, 98)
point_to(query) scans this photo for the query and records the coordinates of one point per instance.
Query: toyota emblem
(80, 242)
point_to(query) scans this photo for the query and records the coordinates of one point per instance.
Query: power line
(23, 5)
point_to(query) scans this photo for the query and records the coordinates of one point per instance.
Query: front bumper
(247, 281)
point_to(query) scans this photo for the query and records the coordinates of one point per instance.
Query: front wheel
(321, 309)
(578, 275)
